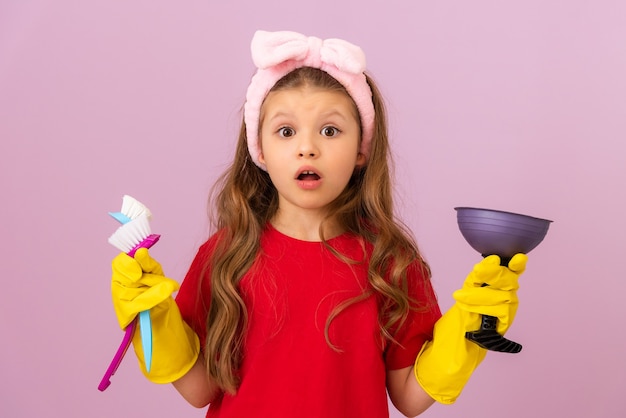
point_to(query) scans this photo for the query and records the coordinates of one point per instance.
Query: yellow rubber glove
(138, 284)
(446, 363)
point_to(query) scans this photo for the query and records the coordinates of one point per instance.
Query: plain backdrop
(511, 105)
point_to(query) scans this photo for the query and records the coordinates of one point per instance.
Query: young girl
(311, 299)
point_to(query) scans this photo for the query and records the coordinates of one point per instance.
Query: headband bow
(276, 54)
(272, 48)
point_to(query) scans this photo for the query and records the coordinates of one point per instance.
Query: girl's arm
(406, 394)
(445, 363)
(195, 386)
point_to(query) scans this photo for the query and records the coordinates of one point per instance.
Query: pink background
(513, 105)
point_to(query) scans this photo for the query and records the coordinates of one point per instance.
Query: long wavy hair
(244, 200)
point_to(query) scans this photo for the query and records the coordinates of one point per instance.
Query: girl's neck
(306, 227)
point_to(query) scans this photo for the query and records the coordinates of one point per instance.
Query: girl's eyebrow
(279, 114)
(324, 115)
(333, 112)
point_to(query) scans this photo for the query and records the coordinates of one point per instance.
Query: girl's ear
(360, 160)
(261, 158)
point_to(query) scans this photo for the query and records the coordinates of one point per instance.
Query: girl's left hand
(491, 289)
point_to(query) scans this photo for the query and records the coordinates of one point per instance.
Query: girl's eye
(330, 131)
(286, 132)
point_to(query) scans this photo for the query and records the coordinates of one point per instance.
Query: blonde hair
(246, 200)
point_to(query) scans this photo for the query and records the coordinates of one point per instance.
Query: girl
(310, 299)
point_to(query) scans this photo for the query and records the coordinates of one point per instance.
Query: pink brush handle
(119, 355)
(148, 242)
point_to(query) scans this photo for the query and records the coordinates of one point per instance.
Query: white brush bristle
(131, 233)
(133, 208)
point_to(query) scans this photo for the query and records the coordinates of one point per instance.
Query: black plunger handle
(487, 336)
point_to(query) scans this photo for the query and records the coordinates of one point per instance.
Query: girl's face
(310, 141)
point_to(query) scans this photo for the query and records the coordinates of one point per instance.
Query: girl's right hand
(138, 284)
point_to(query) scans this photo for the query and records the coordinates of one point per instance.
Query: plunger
(504, 234)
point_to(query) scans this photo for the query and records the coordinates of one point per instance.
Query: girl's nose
(307, 148)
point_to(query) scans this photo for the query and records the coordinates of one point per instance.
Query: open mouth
(308, 175)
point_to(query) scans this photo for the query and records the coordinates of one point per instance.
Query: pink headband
(276, 54)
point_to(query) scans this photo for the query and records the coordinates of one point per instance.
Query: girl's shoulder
(211, 243)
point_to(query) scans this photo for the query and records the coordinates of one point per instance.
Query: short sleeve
(194, 295)
(418, 327)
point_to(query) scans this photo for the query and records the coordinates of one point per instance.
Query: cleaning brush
(131, 209)
(132, 235)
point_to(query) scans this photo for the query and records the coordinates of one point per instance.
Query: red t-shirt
(288, 368)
